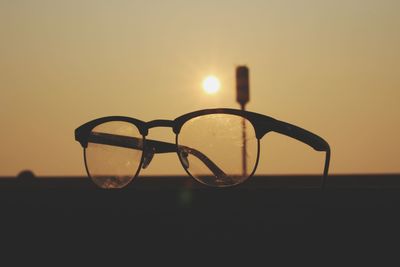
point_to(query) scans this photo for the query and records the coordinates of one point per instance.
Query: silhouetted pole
(242, 97)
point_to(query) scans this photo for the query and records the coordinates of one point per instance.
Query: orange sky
(332, 67)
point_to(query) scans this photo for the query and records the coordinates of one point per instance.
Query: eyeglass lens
(113, 166)
(229, 141)
(216, 149)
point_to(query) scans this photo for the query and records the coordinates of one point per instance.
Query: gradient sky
(332, 67)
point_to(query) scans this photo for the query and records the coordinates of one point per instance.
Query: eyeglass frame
(262, 125)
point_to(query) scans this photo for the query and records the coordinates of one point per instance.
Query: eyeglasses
(217, 147)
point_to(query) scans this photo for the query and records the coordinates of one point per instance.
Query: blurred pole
(243, 97)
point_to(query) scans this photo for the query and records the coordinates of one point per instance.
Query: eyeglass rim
(262, 125)
(222, 186)
(154, 146)
(133, 176)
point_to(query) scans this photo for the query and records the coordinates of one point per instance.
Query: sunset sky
(332, 67)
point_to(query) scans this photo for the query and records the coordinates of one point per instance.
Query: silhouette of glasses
(217, 147)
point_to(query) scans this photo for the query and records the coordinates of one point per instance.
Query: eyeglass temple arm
(153, 146)
(164, 147)
(326, 168)
(307, 137)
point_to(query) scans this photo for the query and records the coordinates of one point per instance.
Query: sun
(211, 85)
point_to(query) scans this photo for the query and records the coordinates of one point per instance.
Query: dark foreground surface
(284, 218)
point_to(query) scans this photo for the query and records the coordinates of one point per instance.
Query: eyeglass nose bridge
(150, 150)
(161, 123)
